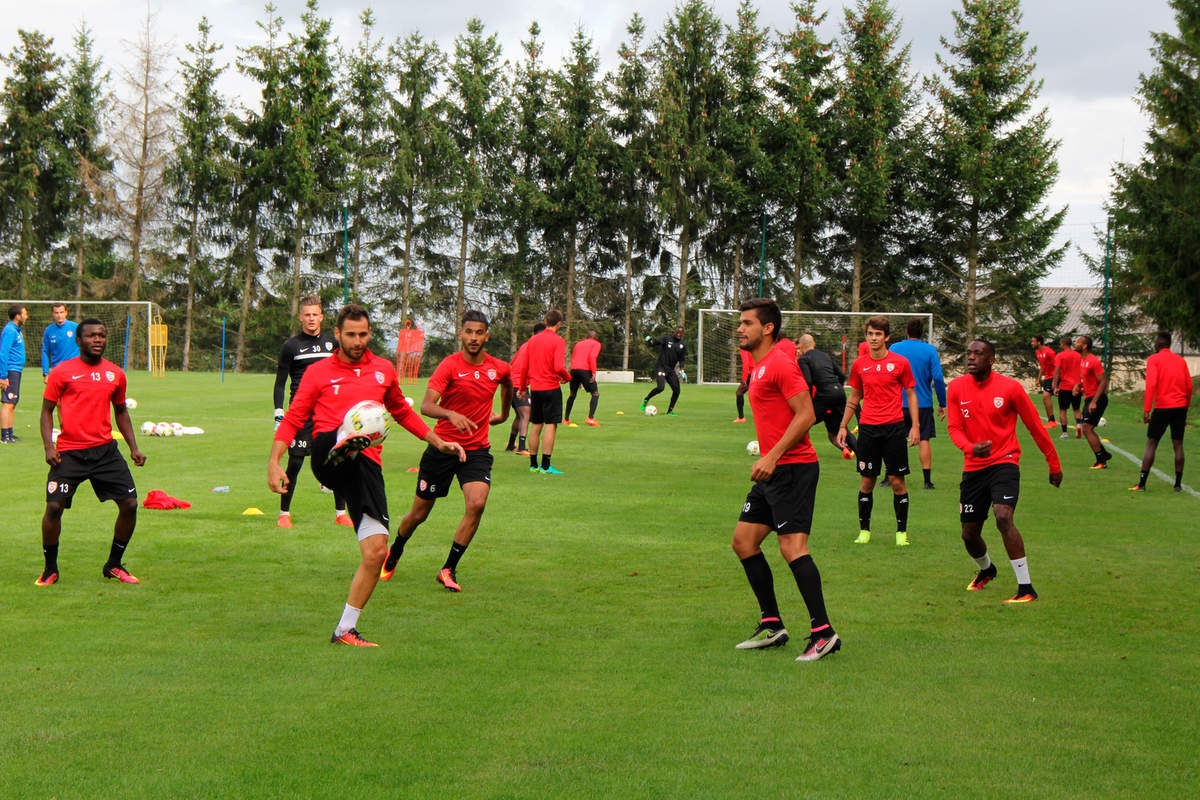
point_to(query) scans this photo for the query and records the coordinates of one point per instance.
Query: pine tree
(629, 171)
(199, 173)
(1154, 201)
(989, 168)
(800, 139)
(689, 94)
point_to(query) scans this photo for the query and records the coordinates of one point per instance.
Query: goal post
(131, 328)
(836, 332)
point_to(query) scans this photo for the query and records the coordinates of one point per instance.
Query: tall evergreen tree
(1154, 201)
(801, 138)
(199, 174)
(990, 166)
(630, 173)
(689, 94)
(873, 104)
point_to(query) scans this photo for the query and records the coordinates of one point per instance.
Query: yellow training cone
(252, 512)
(621, 413)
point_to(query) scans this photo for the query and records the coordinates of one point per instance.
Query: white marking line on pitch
(1155, 471)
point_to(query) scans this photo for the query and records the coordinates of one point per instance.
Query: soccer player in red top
(982, 420)
(1168, 393)
(520, 404)
(743, 385)
(327, 391)
(583, 373)
(1066, 378)
(785, 483)
(1045, 359)
(84, 389)
(878, 380)
(540, 366)
(459, 397)
(1093, 385)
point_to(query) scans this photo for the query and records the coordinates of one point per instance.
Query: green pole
(762, 255)
(346, 253)
(1107, 284)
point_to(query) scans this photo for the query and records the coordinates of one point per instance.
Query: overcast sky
(1089, 54)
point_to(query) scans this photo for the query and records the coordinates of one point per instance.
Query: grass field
(591, 652)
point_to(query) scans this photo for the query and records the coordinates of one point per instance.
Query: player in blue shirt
(58, 340)
(926, 368)
(12, 362)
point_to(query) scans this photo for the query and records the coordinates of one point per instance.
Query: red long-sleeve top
(540, 363)
(1168, 381)
(987, 410)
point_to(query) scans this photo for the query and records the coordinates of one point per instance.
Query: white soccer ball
(148, 428)
(752, 447)
(162, 429)
(130, 403)
(54, 434)
(409, 400)
(177, 429)
(1103, 422)
(651, 411)
(369, 419)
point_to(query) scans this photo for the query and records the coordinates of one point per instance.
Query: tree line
(435, 178)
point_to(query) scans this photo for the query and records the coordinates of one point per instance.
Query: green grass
(591, 653)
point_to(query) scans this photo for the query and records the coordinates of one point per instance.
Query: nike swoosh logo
(1007, 497)
(335, 380)
(77, 377)
(463, 374)
(780, 525)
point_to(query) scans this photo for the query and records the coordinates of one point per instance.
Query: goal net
(129, 327)
(836, 332)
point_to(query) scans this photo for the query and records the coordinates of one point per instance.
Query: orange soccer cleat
(118, 573)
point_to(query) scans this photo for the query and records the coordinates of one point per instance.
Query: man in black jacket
(826, 380)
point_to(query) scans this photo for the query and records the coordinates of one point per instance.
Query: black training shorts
(520, 402)
(997, 485)
(1093, 417)
(438, 470)
(784, 502)
(1162, 418)
(925, 420)
(830, 409)
(583, 377)
(13, 393)
(102, 465)
(358, 479)
(1048, 385)
(880, 445)
(545, 407)
(1068, 399)
(301, 445)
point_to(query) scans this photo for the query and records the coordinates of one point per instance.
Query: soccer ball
(409, 400)
(1103, 422)
(130, 403)
(148, 428)
(367, 418)
(54, 434)
(163, 429)
(177, 429)
(651, 411)
(752, 447)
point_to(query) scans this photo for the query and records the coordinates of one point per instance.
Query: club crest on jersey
(998, 402)
(491, 374)
(379, 377)
(761, 370)
(109, 374)
(891, 367)
(329, 345)
(51, 487)
(423, 485)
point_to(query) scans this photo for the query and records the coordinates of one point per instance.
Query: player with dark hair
(1093, 385)
(346, 462)
(541, 367)
(982, 420)
(785, 484)
(459, 397)
(878, 380)
(520, 404)
(583, 373)
(926, 366)
(298, 353)
(1066, 378)
(672, 350)
(12, 364)
(58, 340)
(1165, 405)
(826, 380)
(84, 389)
(1045, 359)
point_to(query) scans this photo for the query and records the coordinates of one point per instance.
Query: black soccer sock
(456, 552)
(545, 461)
(116, 552)
(808, 579)
(339, 502)
(1144, 474)
(522, 443)
(533, 460)
(865, 502)
(741, 405)
(50, 554)
(758, 572)
(294, 465)
(396, 550)
(852, 441)
(592, 406)
(1178, 479)
(512, 439)
(1064, 424)
(900, 503)
(6, 434)
(1051, 418)
(928, 473)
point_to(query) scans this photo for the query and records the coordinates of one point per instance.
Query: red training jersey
(773, 380)
(979, 411)
(540, 363)
(1045, 359)
(1068, 362)
(583, 354)
(882, 384)
(331, 386)
(1090, 369)
(1168, 381)
(469, 390)
(85, 394)
(789, 348)
(747, 364)
(863, 349)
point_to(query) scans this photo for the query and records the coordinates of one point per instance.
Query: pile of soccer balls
(169, 429)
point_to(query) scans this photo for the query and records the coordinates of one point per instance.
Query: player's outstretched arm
(47, 428)
(277, 479)
(125, 426)
(914, 433)
(506, 395)
(1033, 423)
(430, 407)
(444, 447)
